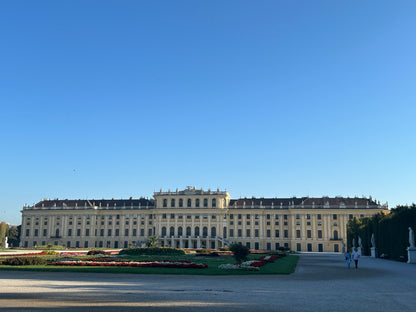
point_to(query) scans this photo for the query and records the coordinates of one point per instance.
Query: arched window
(165, 202)
(335, 234)
(163, 231)
(180, 231)
(197, 202)
(180, 202)
(214, 202)
(172, 231)
(188, 231)
(205, 232)
(213, 231)
(205, 202)
(172, 203)
(197, 231)
(189, 202)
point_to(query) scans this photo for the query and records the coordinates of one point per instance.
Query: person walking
(348, 258)
(355, 257)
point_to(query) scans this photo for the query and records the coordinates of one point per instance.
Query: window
(141, 232)
(231, 232)
(240, 232)
(319, 223)
(335, 223)
(164, 216)
(36, 232)
(319, 217)
(134, 232)
(180, 232)
(335, 234)
(165, 202)
(285, 217)
(276, 216)
(350, 216)
(172, 203)
(205, 202)
(150, 232)
(172, 231)
(189, 202)
(297, 233)
(298, 247)
(231, 216)
(45, 232)
(102, 232)
(197, 202)
(319, 233)
(248, 222)
(204, 231)
(309, 233)
(117, 232)
(239, 216)
(268, 233)
(334, 217)
(248, 216)
(297, 222)
(248, 233)
(87, 232)
(78, 232)
(308, 216)
(180, 216)
(172, 216)
(127, 216)
(197, 231)
(180, 202)
(164, 231)
(213, 231)
(213, 216)
(286, 233)
(69, 232)
(214, 202)
(188, 231)
(276, 233)
(297, 216)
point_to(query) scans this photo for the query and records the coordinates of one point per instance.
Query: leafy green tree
(14, 236)
(240, 251)
(152, 241)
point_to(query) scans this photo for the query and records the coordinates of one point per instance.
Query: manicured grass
(285, 265)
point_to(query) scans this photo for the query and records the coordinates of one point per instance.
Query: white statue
(359, 241)
(411, 237)
(373, 243)
(353, 243)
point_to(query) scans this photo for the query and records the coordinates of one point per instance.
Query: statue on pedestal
(373, 243)
(359, 241)
(411, 237)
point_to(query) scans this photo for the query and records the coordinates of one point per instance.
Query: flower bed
(152, 264)
(251, 265)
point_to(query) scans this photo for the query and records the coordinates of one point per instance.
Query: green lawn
(285, 265)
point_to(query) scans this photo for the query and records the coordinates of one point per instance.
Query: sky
(112, 99)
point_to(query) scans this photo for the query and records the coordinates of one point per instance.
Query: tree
(240, 252)
(152, 241)
(13, 236)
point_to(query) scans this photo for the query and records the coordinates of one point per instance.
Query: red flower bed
(26, 254)
(152, 264)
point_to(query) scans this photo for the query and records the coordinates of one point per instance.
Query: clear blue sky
(112, 99)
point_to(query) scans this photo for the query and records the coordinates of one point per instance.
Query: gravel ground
(321, 283)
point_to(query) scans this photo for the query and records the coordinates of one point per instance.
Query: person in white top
(355, 257)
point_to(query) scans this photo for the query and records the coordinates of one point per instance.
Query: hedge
(24, 261)
(151, 251)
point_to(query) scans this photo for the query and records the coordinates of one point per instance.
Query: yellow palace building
(196, 218)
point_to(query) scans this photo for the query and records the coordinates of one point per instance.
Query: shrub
(151, 251)
(240, 251)
(96, 252)
(25, 261)
(50, 252)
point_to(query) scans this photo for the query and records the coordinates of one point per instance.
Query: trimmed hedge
(25, 261)
(151, 251)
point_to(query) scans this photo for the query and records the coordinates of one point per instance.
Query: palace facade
(194, 218)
